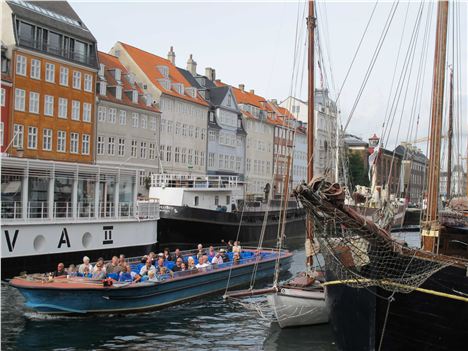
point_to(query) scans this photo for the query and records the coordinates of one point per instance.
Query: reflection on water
(209, 323)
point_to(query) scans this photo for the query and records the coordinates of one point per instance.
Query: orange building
(54, 66)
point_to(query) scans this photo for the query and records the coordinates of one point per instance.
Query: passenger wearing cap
(85, 264)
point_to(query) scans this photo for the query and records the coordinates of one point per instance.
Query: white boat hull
(297, 307)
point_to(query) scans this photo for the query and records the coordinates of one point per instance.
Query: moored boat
(83, 296)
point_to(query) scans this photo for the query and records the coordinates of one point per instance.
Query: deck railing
(191, 181)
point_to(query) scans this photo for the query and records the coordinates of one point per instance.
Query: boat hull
(185, 227)
(142, 296)
(294, 307)
(416, 321)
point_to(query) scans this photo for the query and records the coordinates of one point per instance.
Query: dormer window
(118, 74)
(118, 92)
(229, 100)
(166, 84)
(191, 91)
(179, 88)
(102, 88)
(164, 70)
(148, 99)
(135, 96)
(101, 70)
(131, 78)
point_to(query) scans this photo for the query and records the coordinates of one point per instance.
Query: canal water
(205, 324)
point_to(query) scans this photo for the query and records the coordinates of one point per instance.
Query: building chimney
(210, 73)
(241, 87)
(252, 91)
(171, 55)
(192, 66)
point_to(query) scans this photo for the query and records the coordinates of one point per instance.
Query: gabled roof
(112, 62)
(57, 15)
(148, 63)
(245, 97)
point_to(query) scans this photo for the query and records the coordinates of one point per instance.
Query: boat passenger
(147, 267)
(128, 275)
(211, 253)
(224, 255)
(177, 254)
(200, 251)
(229, 246)
(191, 263)
(165, 273)
(72, 270)
(122, 260)
(144, 259)
(101, 261)
(178, 265)
(85, 264)
(183, 267)
(152, 276)
(237, 248)
(60, 270)
(217, 259)
(167, 254)
(99, 272)
(236, 258)
(113, 266)
(202, 262)
(160, 265)
(86, 273)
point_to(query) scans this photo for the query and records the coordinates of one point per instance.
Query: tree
(357, 172)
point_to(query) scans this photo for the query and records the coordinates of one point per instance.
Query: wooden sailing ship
(382, 294)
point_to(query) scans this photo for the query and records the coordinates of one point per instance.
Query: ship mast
(431, 227)
(310, 125)
(450, 137)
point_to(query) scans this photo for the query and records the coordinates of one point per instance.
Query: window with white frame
(35, 69)
(85, 144)
(202, 158)
(195, 158)
(76, 80)
(135, 119)
(111, 146)
(211, 159)
(101, 114)
(21, 65)
(169, 153)
(153, 123)
(100, 145)
(50, 72)
(144, 121)
(102, 88)
(47, 139)
(162, 150)
(3, 97)
(203, 134)
(152, 151)
(18, 135)
(61, 141)
(123, 117)
(220, 161)
(178, 127)
(190, 156)
(33, 102)
(143, 150)
(197, 132)
(135, 97)
(62, 107)
(20, 99)
(88, 82)
(184, 129)
(190, 131)
(86, 112)
(64, 76)
(121, 147)
(134, 148)
(48, 105)
(177, 154)
(74, 137)
(183, 155)
(112, 115)
(75, 115)
(169, 127)
(118, 92)
(32, 138)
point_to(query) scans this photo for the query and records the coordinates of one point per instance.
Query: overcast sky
(253, 43)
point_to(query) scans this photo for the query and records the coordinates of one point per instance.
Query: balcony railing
(189, 181)
(39, 210)
(89, 60)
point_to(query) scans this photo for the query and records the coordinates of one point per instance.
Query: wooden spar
(310, 119)
(250, 292)
(450, 137)
(285, 197)
(431, 225)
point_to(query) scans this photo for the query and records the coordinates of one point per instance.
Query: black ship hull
(415, 321)
(184, 227)
(14, 266)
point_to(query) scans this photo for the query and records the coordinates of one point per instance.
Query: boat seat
(114, 276)
(169, 264)
(137, 268)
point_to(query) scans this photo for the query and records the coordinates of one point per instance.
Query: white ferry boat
(57, 212)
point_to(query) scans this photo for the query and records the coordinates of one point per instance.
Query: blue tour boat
(65, 295)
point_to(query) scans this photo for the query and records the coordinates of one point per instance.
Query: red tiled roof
(112, 62)
(148, 63)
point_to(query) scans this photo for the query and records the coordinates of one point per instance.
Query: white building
(127, 122)
(183, 135)
(299, 168)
